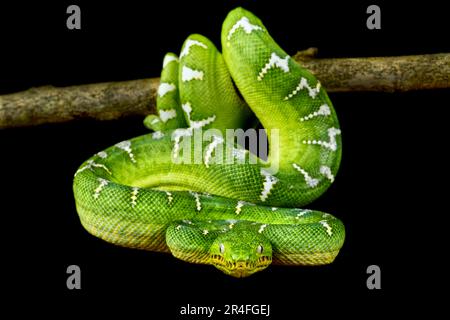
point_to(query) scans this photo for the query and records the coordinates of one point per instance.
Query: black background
(391, 154)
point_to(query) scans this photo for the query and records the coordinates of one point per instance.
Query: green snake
(186, 188)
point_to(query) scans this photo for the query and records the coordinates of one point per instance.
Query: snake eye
(259, 249)
(221, 248)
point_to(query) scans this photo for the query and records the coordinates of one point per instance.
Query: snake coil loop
(171, 191)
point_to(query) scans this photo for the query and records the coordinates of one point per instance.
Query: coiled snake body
(169, 191)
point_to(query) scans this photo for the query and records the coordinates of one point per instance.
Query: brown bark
(388, 74)
(113, 100)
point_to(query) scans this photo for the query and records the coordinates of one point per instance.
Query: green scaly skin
(241, 216)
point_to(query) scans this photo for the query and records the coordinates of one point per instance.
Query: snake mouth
(240, 268)
(264, 260)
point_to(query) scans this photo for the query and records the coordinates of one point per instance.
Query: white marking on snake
(90, 164)
(178, 227)
(211, 147)
(326, 215)
(103, 183)
(83, 168)
(169, 197)
(102, 154)
(245, 24)
(324, 110)
(166, 115)
(134, 193)
(302, 213)
(186, 132)
(261, 229)
(313, 92)
(188, 74)
(187, 221)
(274, 62)
(231, 225)
(205, 232)
(126, 146)
(269, 182)
(176, 137)
(157, 135)
(99, 165)
(187, 46)
(326, 171)
(331, 144)
(274, 208)
(327, 227)
(195, 124)
(201, 123)
(164, 88)
(198, 204)
(169, 58)
(239, 153)
(155, 120)
(239, 206)
(311, 182)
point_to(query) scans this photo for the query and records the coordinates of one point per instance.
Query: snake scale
(176, 190)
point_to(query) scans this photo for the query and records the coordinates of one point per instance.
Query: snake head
(240, 253)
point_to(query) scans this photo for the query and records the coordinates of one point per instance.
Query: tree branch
(388, 74)
(113, 100)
